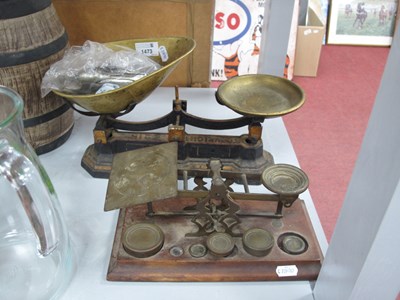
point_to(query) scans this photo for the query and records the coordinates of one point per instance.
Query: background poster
(237, 38)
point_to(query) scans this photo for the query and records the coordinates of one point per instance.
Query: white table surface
(92, 230)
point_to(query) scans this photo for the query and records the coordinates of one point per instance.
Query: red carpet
(327, 131)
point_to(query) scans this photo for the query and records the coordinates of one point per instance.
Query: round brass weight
(293, 244)
(198, 250)
(220, 244)
(258, 242)
(143, 240)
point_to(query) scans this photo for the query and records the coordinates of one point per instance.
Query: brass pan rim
(266, 81)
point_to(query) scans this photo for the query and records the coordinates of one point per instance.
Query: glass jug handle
(35, 192)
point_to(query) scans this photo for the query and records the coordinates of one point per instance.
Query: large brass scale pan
(255, 97)
(117, 101)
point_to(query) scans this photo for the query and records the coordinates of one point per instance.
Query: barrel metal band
(41, 52)
(10, 9)
(54, 144)
(46, 117)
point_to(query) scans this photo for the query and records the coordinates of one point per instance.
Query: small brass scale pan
(255, 97)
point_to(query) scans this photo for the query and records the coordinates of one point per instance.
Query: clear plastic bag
(95, 68)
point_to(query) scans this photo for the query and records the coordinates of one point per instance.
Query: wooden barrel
(31, 39)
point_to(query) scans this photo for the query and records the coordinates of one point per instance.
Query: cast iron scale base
(239, 154)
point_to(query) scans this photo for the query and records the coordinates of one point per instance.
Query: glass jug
(35, 255)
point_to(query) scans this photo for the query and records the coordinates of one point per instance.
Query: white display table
(92, 230)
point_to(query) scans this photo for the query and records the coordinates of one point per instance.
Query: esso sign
(232, 21)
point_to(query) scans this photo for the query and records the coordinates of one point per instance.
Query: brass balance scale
(210, 232)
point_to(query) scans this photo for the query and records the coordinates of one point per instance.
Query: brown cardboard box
(113, 20)
(308, 46)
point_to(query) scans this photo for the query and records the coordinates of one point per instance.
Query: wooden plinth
(238, 266)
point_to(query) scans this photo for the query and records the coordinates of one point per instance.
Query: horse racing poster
(368, 22)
